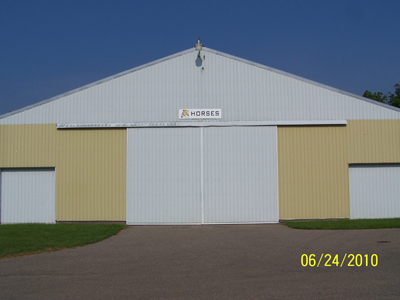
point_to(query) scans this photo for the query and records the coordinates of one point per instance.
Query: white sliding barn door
(163, 176)
(202, 175)
(240, 175)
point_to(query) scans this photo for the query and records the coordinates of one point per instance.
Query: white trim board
(202, 124)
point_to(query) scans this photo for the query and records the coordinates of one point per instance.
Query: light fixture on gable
(198, 46)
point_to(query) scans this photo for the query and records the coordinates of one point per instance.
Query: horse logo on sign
(185, 113)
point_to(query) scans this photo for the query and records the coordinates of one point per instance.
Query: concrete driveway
(211, 262)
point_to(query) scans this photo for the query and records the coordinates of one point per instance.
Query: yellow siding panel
(23, 146)
(313, 172)
(313, 164)
(374, 141)
(91, 175)
(90, 167)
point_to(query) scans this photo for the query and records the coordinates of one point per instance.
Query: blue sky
(51, 47)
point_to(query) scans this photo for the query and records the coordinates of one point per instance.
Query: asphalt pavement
(214, 262)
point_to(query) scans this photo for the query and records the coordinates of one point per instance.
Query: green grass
(345, 224)
(22, 239)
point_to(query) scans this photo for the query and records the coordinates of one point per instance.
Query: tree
(394, 99)
(389, 98)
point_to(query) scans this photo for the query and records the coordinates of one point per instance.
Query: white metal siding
(163, 176)
(240, 175)
(243, 90)
(374, 191)
(28, 196)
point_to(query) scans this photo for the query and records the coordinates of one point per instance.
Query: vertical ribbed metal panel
(26, 146)
(313, 176)
(28, 196)
(240, 175)
(91, 167)
(244, 92)
(374, 191)
(374, 141)
(163, 176)
(91, 175)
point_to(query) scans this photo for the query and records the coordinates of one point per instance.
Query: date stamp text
(348, 260)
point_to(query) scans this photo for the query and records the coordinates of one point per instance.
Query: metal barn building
(200, 137)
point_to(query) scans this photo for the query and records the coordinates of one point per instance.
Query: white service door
(28, 196)
(374, 191)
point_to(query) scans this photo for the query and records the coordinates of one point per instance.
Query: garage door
(28, 195)
(202, 175)
(374, 191)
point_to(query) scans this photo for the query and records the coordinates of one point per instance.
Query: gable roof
(305, 84)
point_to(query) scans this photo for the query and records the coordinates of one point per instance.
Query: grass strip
(22, 239)
(345, 224)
